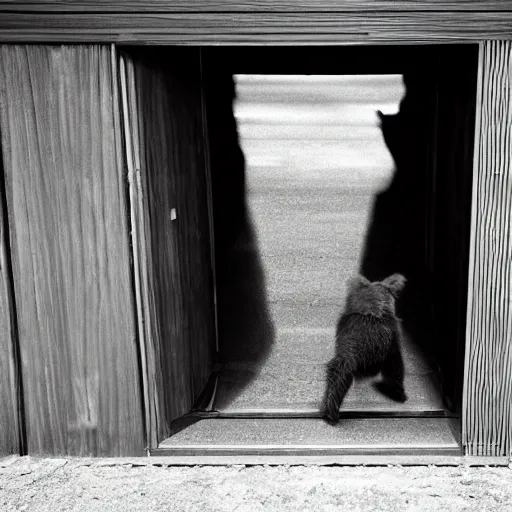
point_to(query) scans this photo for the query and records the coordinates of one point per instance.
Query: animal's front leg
(392, 384)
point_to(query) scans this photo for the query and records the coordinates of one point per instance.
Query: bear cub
(368, 338)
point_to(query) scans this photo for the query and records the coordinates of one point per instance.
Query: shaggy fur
(367, 342)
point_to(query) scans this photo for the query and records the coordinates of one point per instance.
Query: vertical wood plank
(165, 141)
(487, 401)
(139, 230)
(70, 251)
(10, 415)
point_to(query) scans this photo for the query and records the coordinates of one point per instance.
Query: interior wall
(179, 298)
(450, 213)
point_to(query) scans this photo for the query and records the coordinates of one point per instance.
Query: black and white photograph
(255, 256)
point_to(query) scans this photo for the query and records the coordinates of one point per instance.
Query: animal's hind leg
(339, 380)
(392, 384)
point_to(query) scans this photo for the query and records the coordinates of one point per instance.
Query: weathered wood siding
(253, 5)
(257, 21)
(165, 126)
(70, 252)
(10, 406)
(487, 408)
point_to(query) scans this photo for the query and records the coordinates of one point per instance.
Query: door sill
(195, 436)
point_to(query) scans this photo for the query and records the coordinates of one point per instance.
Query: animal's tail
(339, 379)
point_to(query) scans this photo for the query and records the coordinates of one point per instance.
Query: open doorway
(303, 186)
(315, 159)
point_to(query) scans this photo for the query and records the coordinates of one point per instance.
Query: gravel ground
(92, 485)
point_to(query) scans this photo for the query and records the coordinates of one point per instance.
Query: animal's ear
(380, 115)
(395, 283)
(357, 282)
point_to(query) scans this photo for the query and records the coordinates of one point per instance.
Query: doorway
(315, 160)
(306, 188)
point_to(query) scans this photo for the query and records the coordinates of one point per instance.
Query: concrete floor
(315, 160)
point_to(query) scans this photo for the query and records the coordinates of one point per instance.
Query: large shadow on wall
(245, 328)
(421, 223)
(397, 237)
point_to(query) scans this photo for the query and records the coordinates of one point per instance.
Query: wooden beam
(487, 401)
(59, 116)
(248, 27)
(169, 6)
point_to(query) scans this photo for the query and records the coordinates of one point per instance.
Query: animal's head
(374, 298)
(392, 131)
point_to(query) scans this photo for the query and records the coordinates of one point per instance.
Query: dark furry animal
(367, 342)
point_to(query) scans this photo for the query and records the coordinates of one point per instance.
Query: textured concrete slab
(267, 435)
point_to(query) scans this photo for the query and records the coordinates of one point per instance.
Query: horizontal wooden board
(252, 5)
(371, 27)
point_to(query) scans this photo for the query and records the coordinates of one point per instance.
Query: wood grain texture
(70, 252)
(10, 406)
(146, 297)
(487, 401)
(248, 27)
(176, 292)
(140, 228)
(252, 5)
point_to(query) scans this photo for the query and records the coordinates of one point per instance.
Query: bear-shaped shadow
(398, 229)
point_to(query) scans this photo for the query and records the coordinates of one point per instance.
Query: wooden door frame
(140, 173)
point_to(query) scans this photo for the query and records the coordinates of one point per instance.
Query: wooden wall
(255, 22)
(67, 219)
(62, 153)
(164, 115)
(487, 408)
(168, 6)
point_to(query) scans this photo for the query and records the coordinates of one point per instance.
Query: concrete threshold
(195, 436)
